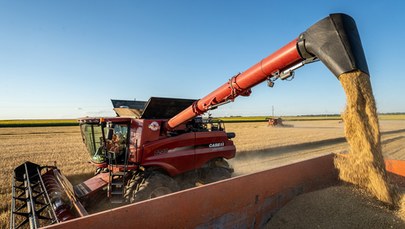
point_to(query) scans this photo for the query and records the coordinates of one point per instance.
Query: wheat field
(45, 145)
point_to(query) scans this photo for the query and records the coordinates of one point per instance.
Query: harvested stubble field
(44, 146)
(259, 147)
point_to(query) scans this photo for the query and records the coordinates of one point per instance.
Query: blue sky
(67, 59)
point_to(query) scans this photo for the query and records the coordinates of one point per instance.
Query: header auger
(170, 147)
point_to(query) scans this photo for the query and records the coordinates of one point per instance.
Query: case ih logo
(154, 126)
(214, 145)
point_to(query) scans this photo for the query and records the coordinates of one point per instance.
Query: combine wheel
(216, 170)
(131, 186)
(156, 184)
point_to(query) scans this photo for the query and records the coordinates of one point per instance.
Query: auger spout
(336, 42)
(333, 40)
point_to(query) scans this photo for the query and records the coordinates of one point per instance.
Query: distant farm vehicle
(275, 122)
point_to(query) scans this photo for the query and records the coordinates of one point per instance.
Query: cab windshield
(93, 139)
(114, 140)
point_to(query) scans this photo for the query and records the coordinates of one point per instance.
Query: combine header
(42, 196)
(170, 147)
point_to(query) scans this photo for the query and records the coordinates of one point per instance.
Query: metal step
(118, 174)
(117, 183)
(117, 192)
(117, 200)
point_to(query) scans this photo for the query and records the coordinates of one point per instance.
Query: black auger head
(336, 42)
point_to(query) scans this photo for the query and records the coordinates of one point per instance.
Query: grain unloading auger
(334, 40)
(169, 148)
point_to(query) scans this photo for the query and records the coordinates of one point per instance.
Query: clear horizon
(65, 60)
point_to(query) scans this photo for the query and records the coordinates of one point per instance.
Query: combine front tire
(216, 170)
(156, 184)
(216, 174)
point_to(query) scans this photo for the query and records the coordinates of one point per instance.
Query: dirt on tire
(155, 184)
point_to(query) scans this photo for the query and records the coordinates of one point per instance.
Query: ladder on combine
(116, 184)
(30, 202)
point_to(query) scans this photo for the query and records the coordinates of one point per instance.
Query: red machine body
(149, 146)
(168, 144)
(179, 142)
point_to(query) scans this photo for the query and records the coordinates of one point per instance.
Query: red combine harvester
(170, 147)
(144, 160)
(275, 122)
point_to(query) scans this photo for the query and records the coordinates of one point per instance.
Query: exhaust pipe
(336, 42)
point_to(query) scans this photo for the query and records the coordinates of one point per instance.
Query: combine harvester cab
(166, 143)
